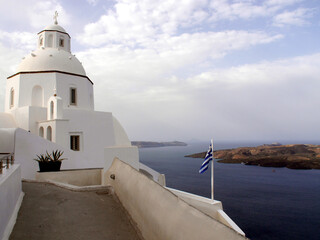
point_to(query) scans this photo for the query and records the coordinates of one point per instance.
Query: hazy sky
(188, 69)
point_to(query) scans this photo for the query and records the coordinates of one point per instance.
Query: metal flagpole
(212, 190)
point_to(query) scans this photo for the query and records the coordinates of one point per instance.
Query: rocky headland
(146, 144)
(294, 156)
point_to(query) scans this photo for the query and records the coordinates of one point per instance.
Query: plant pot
(49, 166)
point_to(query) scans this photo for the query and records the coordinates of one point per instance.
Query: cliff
(144, 144)
(295, 156)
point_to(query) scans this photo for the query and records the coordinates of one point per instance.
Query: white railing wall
(11, 197)
(160, 214)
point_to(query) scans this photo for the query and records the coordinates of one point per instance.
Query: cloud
(161, 58)
(140, 20)
(18, 40)
(232, 10)
(297, 17)
(250, 101)
(35, 14)
(93, 2)
(9, 59)
(271, 100)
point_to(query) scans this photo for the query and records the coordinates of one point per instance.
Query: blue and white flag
(207, 160)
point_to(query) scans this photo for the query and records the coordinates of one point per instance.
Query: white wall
(10, 199)
(208, 206)
(129, 155)
(84, 91)
(158, 213)
(7, 140)
(28, 145)
(27, 117)
(7, 121)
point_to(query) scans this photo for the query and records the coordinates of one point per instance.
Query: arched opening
(51, 110)
(41, 41)
(61, 42)
(11, 97)
(50, 40)
(49, 133)
(41, 132)
(37, 96)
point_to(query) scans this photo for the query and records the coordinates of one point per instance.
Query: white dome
(55, 27)
(50, 59)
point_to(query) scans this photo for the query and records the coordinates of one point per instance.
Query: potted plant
(50, 162)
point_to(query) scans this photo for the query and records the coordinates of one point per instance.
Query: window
(49, 133)
(61, 42)
(41, 41)
(75, 142)
(50, 40)
(11, 97)
(51, 110)
(73, 96)
(41, 132)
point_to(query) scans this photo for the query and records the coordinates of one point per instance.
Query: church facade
(51, 97)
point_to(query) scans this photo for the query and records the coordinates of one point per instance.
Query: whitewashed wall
(159, 214)
(10, 199)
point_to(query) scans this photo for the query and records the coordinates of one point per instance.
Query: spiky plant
(42, 158)
(55, 156)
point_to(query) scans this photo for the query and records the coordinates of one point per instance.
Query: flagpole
(212, 183)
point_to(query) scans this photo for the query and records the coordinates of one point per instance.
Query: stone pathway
(50, 212)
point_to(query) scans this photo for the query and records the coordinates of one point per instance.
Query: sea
(266, 203)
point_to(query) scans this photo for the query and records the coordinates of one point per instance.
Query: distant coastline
(148, 144)
(294, 156)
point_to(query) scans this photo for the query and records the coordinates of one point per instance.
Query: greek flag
(207, 160)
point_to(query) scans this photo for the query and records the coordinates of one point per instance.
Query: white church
(49, 105)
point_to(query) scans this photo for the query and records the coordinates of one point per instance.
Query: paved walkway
(50, 212)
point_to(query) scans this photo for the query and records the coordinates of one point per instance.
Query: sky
(231, 70)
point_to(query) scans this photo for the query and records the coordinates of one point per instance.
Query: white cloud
(135, 22)
(9, 59)
(232, 10)
(41, 10)
(270, 100)
(18, 40)
(93, 2)
(297, 17)
(140, 20)
(34, 13)
(159, 59)
(250, 101)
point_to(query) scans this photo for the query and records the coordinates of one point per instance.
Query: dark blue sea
(266, 203)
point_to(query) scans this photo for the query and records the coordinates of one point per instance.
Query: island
(147, 144)
(294, 156)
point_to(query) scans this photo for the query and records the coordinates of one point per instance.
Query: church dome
(51, 59)
(55, 27)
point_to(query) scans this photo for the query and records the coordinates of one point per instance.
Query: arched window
(41, 41)
(37, 96)
(41, 132)
(49, 133)
(73, 96)
(61, 42)
(50, 40)
(11, 97)
(51, 110)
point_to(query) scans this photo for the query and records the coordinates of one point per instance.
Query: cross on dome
(55, 17)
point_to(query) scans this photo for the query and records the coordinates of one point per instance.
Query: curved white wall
(159, 214)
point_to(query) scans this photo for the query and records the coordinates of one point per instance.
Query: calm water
(266, 204)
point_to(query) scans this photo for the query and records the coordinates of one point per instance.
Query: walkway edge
(13, 218)
(74, 188)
